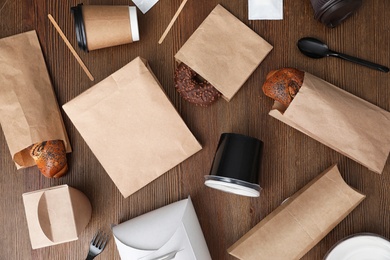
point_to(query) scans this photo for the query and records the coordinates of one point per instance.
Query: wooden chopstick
(172, 21)
(72, 50)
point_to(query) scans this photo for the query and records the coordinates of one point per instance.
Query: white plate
(360, 247)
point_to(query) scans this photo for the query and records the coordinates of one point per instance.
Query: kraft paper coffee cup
(101, 26)
(235, 167)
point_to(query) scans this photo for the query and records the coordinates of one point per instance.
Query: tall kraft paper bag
(29, 112)
(131, 126)
(224, 51)
(296, 226)
(340, 120)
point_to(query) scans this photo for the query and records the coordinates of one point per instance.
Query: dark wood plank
(291, 159)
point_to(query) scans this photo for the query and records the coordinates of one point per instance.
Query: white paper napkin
(145, 5)
(265, 9)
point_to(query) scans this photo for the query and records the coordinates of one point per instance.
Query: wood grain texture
(291, 159)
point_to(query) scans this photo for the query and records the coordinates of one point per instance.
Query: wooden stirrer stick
(72, 50)
(172, 21)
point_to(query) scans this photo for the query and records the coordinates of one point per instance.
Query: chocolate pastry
(192, 88)
(282, 85)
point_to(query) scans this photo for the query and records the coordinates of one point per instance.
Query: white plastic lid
(360, 247)
(134, 23)
(233, 186)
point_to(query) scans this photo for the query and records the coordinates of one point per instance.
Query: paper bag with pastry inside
(29, 112)
(330, 115)
(223, 52)
(132, 127)
(296, 226)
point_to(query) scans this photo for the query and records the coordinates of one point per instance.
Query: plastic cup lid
(79, 26)
(335, 12)
(134, 23)
(234, 186)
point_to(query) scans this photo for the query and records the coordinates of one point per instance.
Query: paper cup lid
(233, 186)
(134, 23)
(79, 26)
(332, 13)
(360, 247)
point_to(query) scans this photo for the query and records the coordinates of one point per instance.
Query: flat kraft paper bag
(297, 225)
(131, 126)
(340, 120)
(224, 51)
(56, 215)
(29, 111)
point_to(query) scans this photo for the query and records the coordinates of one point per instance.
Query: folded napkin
(265, 9)
(145, 5)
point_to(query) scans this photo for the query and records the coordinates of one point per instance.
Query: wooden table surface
(290, 160)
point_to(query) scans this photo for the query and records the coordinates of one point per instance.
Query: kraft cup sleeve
(224, 51)
(107, 26)
(340, 120)
(29, 112)
(296, 226)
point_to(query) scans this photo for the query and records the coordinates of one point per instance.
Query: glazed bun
(282, 85)
(50, 157)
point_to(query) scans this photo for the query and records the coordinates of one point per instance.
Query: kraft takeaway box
(56, 215)
(297, 225)
(169, 232)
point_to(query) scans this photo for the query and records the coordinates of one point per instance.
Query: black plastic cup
(235, 167)
(334, 12)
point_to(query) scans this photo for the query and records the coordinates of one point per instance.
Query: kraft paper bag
(131, 126)
(340, 120)
(29, 111)
(296, 226)
(224, 51)
(56, 215)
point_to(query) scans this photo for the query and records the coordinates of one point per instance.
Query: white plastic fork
(97, 245)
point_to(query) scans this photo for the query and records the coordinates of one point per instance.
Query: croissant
(50, 157)
(282, 85)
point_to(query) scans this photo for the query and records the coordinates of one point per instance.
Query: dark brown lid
(332, 13)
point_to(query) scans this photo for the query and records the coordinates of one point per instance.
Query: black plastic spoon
(316, 49)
